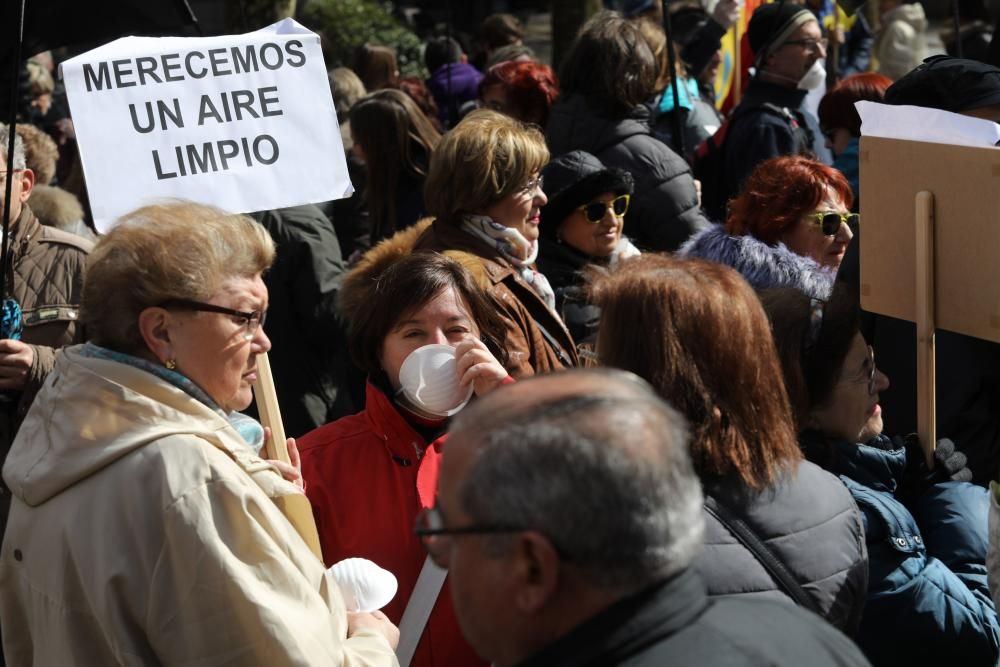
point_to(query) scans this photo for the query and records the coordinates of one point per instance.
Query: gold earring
(170, 364)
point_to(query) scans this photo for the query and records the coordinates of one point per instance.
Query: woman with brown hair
(395, 140)
(606, 79)
(696, 332)
(376, 65)
(399, 306)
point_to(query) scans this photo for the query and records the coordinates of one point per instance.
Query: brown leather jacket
(537, 339)
(46, 278)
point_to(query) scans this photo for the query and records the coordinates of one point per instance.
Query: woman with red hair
(842, 125)
(522, 90)
(789, 227)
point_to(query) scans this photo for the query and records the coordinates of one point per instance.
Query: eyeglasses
(595, 210)
(251, 320)
(810, 44)
(830, 222)
(870, 379)
(531, 187)
(430, 524)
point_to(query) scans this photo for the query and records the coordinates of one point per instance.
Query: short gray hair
(19, 159)
(606, 477)
(175, 250)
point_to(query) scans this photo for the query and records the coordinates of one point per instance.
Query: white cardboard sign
(242, 122)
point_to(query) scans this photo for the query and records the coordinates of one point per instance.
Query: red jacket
(367, 481)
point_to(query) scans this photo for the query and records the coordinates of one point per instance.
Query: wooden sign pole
(926, 387)
(267, 406)
(296, 506)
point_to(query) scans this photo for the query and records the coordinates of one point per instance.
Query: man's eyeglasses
(830, 222)
(595, 210)
(430, 524)
(810, 44)
(251, 320)
(531, 187)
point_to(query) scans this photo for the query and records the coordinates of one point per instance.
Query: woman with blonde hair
(144, 527)
(696, 332)
(484, 189)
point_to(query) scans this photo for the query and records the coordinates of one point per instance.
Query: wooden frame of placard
(930, 249)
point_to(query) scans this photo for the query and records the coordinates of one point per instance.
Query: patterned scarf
(516, 249)
(248, 427)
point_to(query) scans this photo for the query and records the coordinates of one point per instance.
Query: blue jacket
(928, 599)
(756, 134)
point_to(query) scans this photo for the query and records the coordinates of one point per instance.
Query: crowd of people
(592, 392)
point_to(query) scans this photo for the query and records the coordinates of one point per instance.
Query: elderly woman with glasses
(484, 189)
(789, 227)
(144, 527)
(928, 601)
(581, 226)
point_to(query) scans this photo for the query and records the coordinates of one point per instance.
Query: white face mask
(815, 77)
(429, 378)
(364, 585)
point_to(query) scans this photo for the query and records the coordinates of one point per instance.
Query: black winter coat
(307, 355)
(810, 522)
(664, 211)
(674, 623)
(562, 266)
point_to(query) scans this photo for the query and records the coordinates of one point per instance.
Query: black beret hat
(949, 84)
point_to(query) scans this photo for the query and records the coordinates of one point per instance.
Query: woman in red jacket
(370, 474)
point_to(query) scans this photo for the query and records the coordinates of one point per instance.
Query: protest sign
(242, 122)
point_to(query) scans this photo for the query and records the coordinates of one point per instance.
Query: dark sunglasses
(594, 211)
(830, 222)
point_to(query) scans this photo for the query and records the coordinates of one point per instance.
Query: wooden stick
(295, 506)
(267, 406)
(926, 388)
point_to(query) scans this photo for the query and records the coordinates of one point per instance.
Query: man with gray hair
(46, 279)
(568, 516)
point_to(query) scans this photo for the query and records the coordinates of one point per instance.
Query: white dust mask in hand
(365, 586)
(429, 381)
(815, 77)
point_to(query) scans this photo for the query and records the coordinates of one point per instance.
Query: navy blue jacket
(928, 600)
(756, 134)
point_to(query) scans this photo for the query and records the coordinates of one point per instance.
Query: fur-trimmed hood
(355, 291)
(762, 265)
